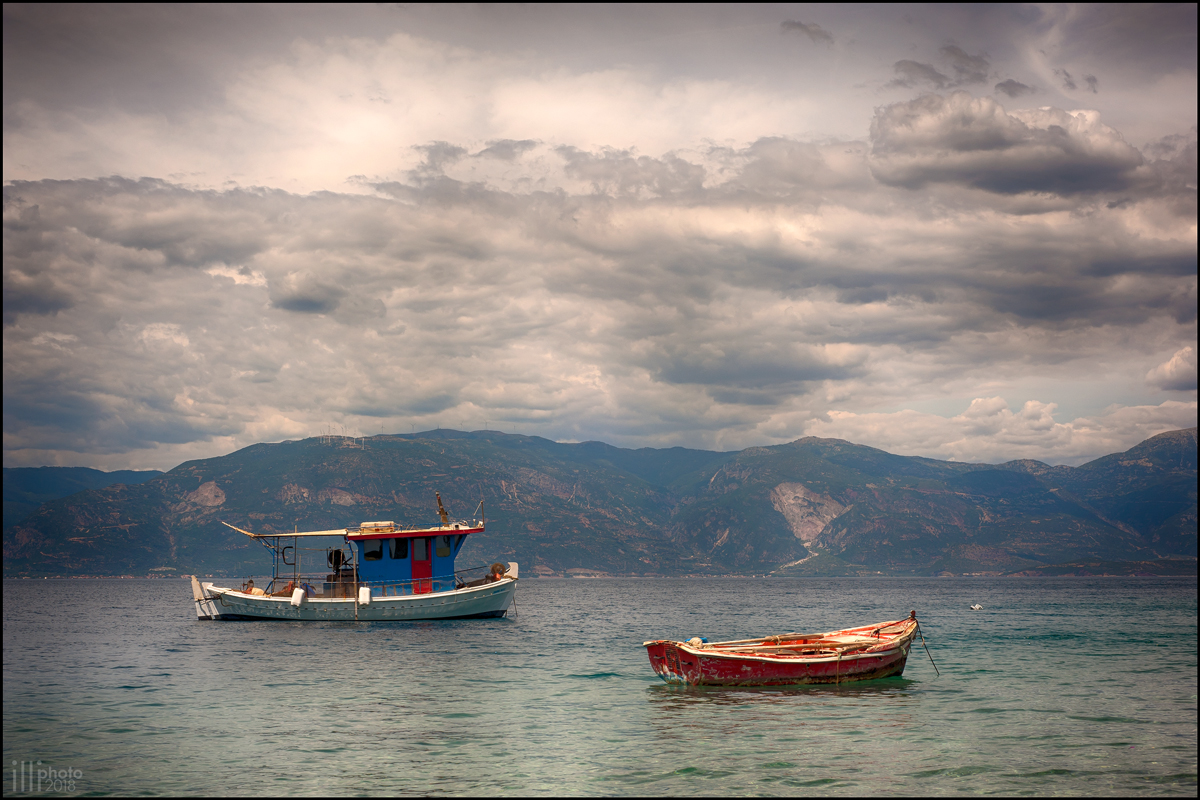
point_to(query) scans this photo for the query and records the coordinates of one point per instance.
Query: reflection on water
(666, 695)
(680, 713)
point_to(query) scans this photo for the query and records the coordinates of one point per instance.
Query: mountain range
(27, 488)
(810, 507)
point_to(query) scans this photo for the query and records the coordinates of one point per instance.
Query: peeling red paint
(868, 652)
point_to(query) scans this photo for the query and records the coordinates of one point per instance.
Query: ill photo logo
(29, 776)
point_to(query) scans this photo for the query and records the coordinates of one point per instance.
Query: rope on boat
(935, 669)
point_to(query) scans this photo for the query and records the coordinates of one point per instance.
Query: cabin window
(372, 549)
(399, 548)
(443, 546)
(420, 548)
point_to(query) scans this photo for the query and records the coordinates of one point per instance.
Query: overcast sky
(963, 232)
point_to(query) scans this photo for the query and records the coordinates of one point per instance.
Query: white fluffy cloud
(991, 432)
(1178, 373)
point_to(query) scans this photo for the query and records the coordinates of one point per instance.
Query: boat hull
(681, 665)
(695, 664)
(491, 600)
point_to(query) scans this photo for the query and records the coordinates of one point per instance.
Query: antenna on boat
(441, 510)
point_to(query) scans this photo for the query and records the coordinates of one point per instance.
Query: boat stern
(207, 606)
(672, 662)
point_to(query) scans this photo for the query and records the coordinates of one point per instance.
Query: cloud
(623, 173)
(507, 149)
(1013, 88)
(975, 142)
(163, 333)
(32, 294)
(306, 293)
(990, 431)
(911, 73)
(658, 302)
(810, 29)
(239, 276)
(438, 156)
(1178, 373)
(631, 227)
(1173, 146)
(967, 68)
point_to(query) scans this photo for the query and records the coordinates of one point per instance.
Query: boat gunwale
(382, 600)
(737, 649)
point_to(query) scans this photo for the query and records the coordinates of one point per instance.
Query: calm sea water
(1075, 686)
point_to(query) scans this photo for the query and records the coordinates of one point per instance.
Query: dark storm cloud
(313, 299)
(1068, 81)
(962, 139)
(38, 294)
(1013, 88)
(507, 149)
(84, 419)
(967, 68)
(810, 29)
(188, 231)
(769, 369)
(911, 73)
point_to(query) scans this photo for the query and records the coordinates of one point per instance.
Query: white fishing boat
(372, 572)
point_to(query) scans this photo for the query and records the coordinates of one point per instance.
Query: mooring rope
(922, 635)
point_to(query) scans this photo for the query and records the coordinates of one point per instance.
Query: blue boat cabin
(407, 561)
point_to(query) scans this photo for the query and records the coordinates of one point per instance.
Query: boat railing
(345, 585)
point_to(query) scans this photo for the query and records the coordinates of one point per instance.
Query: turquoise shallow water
(1080, 686)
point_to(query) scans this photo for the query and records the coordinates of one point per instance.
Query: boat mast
(442, 510)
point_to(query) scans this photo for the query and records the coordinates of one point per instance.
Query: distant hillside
(858, 509)
(1150, 488)
(1169, 567)
(26, 488)
(814, 506)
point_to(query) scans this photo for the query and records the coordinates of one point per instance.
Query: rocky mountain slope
(814, 506)
(27, 488)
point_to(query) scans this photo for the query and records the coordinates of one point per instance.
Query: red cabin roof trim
(411, 534)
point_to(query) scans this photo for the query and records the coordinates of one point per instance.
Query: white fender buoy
(298, 597)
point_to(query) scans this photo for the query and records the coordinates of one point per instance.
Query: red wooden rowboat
(865, 653)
